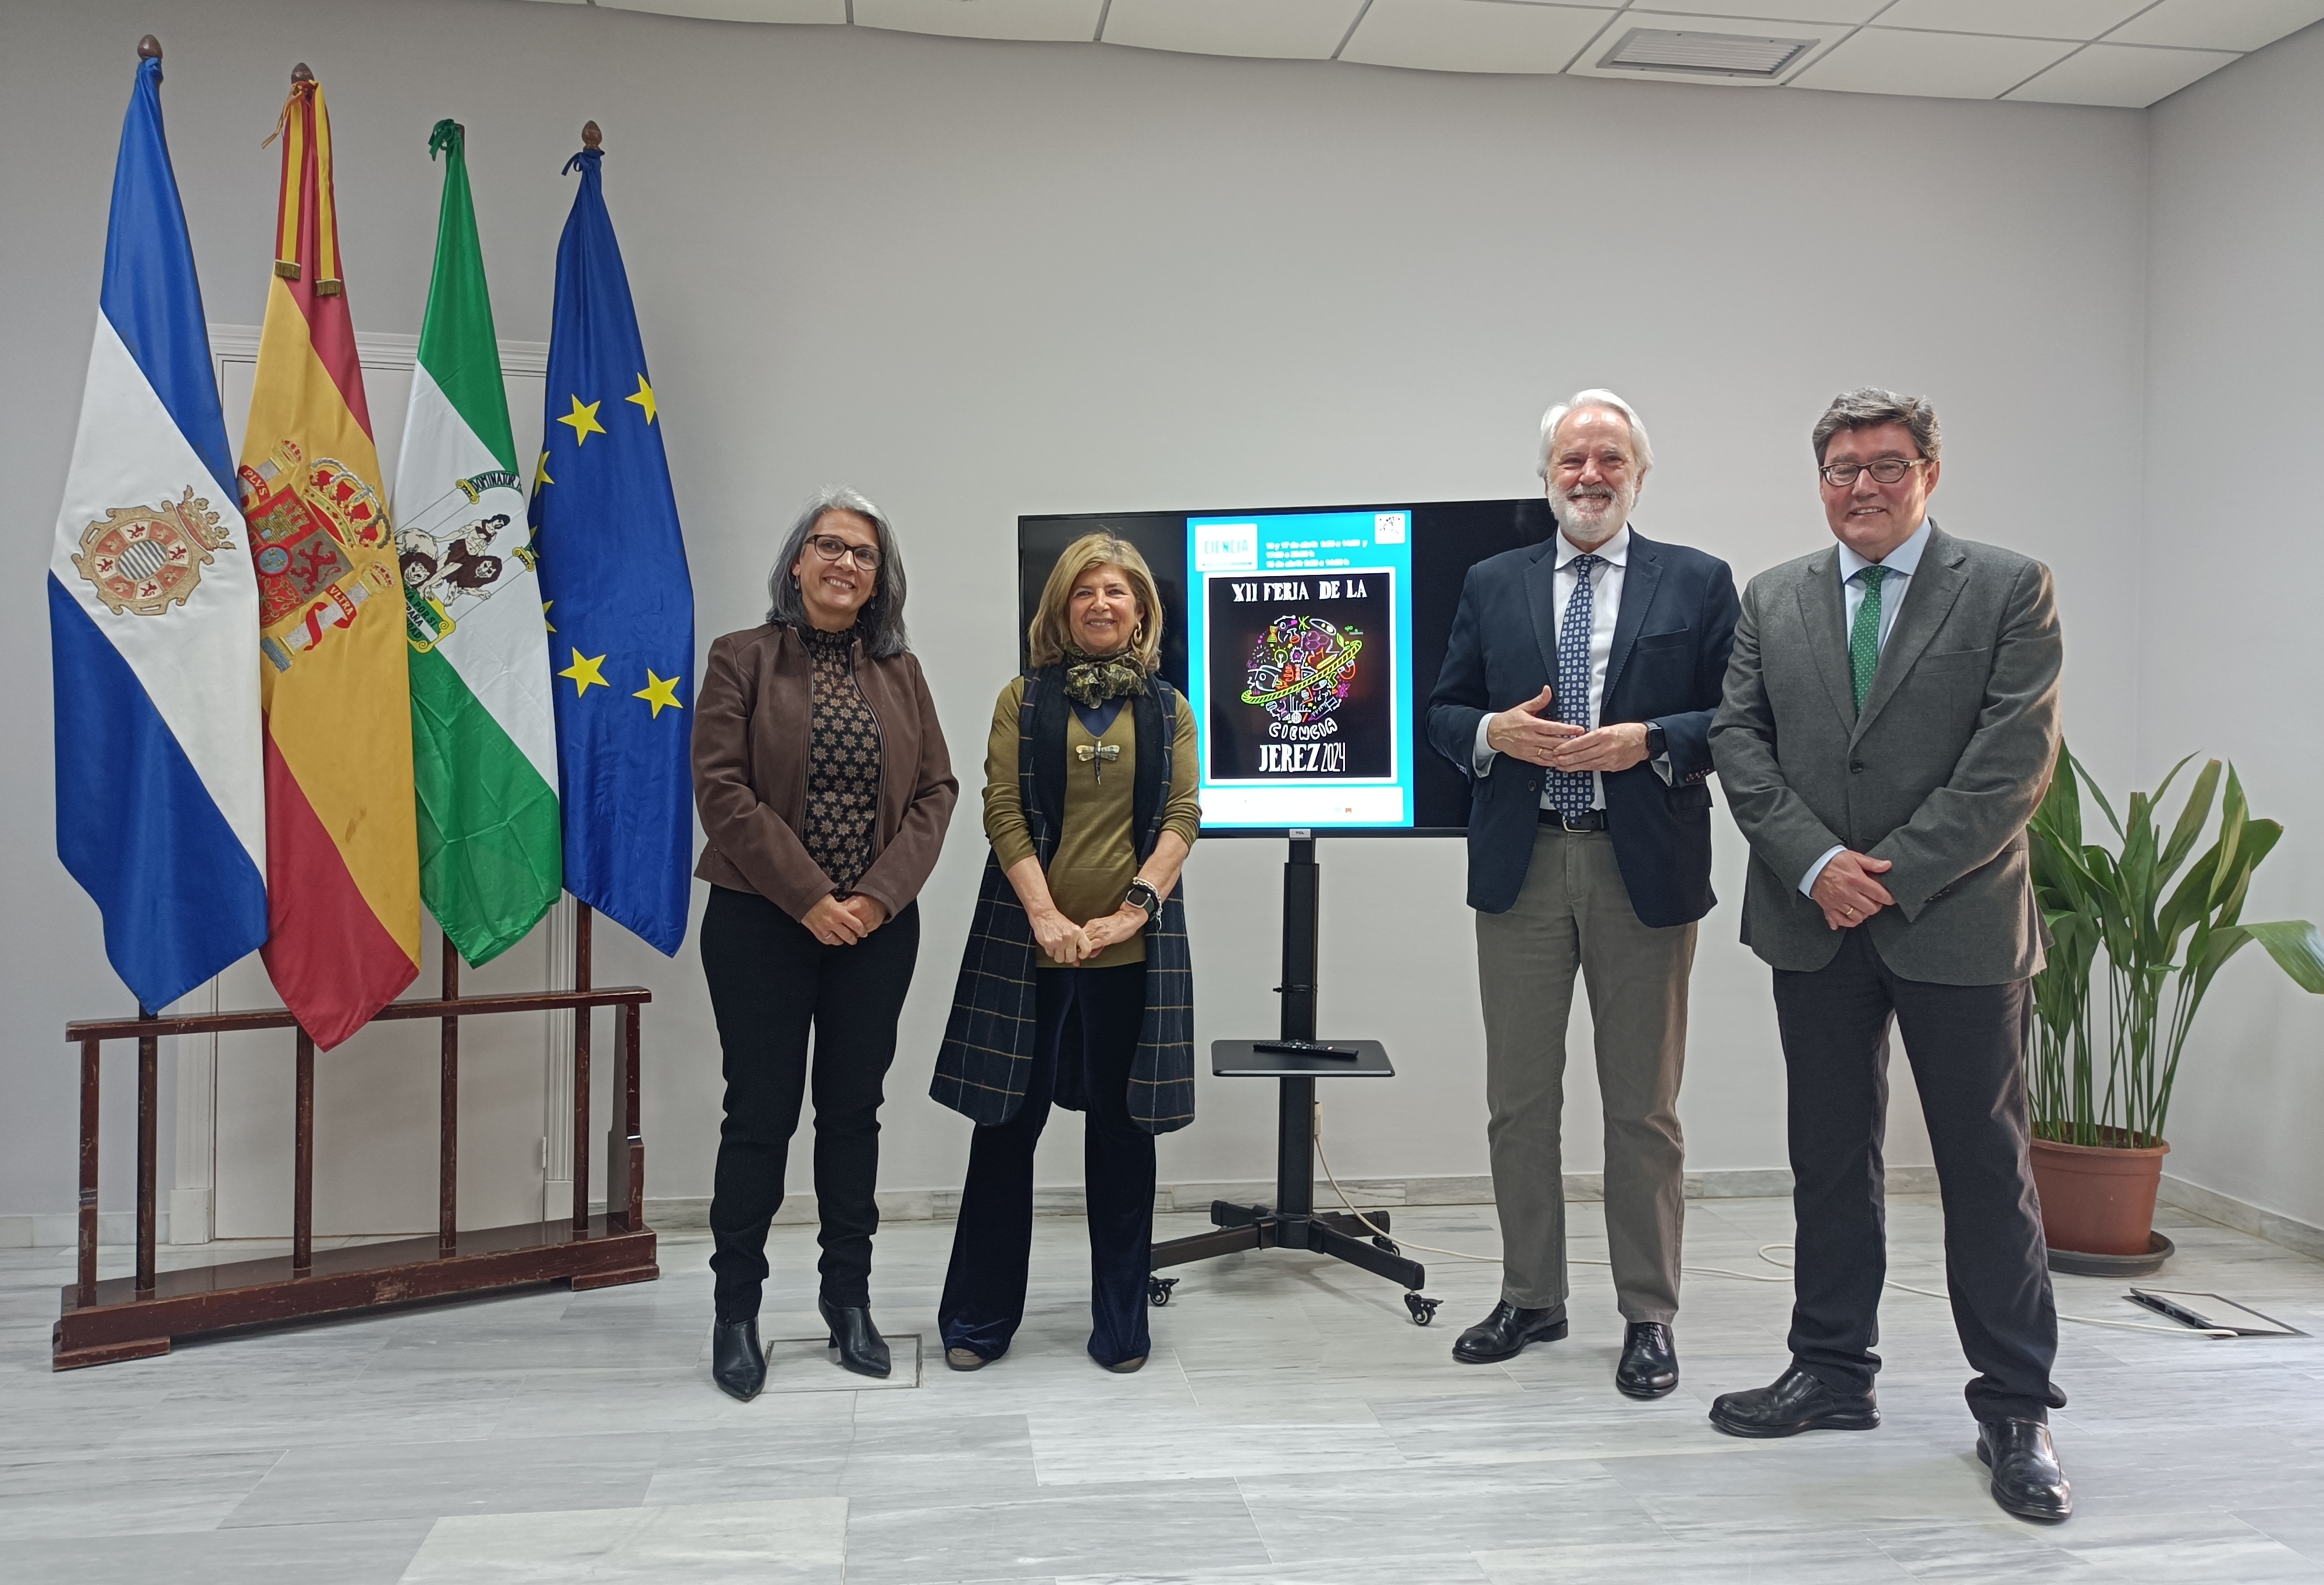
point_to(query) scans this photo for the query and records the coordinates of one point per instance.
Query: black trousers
(770, 981)
(1084, 1039)
(1967, 1045)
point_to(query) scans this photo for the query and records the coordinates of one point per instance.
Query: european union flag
(619, 602)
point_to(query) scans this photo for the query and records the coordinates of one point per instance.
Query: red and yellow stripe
(343, 868)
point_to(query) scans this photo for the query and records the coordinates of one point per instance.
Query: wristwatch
(1142, 893)
(1657, 744)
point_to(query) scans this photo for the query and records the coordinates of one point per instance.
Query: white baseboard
(61, 1230)
(911, 1205)
(2230, 1212)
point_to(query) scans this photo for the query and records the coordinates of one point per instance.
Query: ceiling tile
(833, 11)
(984, 19)
(1851, 10)
(1302, 30)
(2220, 24)
(1825, 34)
(1472, 35)
(2129, 75)
(2027, 19)
(1952, 66)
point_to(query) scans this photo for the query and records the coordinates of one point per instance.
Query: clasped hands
(841, 921)
(1069, 943)
(1525, 733)
(1848, 890)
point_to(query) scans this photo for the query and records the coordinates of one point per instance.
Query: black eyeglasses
(831, 548)
(1887, 470)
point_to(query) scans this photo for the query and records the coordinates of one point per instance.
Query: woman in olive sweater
(1076, 989)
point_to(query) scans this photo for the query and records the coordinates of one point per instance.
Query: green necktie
(1864, 636)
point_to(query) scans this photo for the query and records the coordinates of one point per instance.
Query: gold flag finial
(591, 138)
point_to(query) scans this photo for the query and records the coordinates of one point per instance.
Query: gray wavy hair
(1868, 407)
(881, 619)
(1596, 396)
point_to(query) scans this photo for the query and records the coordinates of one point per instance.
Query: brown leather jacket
(751, 717)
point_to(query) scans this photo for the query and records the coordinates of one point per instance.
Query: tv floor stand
(1293, 1222)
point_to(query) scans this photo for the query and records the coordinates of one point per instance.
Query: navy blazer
(1668, 667)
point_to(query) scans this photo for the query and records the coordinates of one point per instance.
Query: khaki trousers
(1574, 911)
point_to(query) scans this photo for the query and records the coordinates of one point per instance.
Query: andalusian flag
(484, 732)
(342, 857)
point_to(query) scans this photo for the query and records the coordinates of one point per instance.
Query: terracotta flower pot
(2098, 1200)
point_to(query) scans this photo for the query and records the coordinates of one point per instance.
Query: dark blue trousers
(1085, 1036)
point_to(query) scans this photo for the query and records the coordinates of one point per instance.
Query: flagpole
(447, 1137)
(581, 914)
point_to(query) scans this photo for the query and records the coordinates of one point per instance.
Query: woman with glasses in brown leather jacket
(824, 789)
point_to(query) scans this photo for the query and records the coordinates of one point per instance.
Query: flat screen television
(1307, 641)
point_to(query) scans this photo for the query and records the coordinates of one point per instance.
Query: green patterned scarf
(1091, 681)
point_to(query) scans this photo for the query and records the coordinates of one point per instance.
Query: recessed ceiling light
(1648, 49)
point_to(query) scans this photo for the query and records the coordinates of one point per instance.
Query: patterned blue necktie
(1569, 790)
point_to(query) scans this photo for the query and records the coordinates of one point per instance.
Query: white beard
(1593, 519)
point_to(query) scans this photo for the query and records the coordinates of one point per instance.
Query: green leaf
(2297, 948)
(2191, 817)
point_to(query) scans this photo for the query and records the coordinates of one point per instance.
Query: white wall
(979, 280)
(2234, 547)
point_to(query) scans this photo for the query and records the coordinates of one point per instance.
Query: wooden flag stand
(130, 1318)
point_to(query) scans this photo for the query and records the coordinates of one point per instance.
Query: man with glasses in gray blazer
(1889, 725)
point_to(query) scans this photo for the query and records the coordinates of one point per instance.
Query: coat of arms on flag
(144, 560)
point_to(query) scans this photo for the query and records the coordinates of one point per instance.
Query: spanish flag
(342, 845)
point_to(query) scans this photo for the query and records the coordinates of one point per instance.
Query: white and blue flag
(153, 613)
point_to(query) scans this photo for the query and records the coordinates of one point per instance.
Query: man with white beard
(1576, 696)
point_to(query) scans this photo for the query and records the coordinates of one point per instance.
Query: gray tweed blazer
(1940, 773)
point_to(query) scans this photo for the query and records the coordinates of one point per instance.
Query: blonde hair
(1051, 631)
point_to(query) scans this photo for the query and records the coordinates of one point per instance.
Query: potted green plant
(2167, 920)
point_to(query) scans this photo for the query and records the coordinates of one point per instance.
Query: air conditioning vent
(1648, 48)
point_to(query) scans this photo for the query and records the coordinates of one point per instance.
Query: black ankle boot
(862, 1348)
(737, 1364)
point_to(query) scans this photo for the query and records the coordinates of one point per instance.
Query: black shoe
(1797, 1402)
(737, 1364)
(1649, 1367)
(2026, 1480)
(1505, 1330)
(862, 1348)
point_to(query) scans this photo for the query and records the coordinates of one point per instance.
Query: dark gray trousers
(1967, 1045)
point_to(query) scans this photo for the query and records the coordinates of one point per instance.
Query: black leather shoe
(1505, 1330)
(1797, 1402)
(737, 1364)
(862, 1348)
(1649, 1367)
(2026, 1480)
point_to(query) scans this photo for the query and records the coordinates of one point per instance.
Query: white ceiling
(2126, 52)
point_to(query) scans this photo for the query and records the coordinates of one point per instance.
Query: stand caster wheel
(1380, 1242)
(1158, 1290)
(1423, 1310)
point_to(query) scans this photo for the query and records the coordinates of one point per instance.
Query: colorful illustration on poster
(1302, 682)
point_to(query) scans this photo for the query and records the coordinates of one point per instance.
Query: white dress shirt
(1605, 609)
(1901, 562)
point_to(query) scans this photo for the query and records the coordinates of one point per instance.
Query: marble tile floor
(1293, 1426)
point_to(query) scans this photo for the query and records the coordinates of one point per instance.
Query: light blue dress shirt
(1901, 562)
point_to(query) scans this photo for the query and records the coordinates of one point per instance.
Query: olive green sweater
(1091, 871)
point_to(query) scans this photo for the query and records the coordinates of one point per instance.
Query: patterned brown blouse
(842, 775)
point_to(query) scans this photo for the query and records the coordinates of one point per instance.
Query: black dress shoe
(1649, 1367)
(862, 1348)
(2026, 1480)
(1797, 1402)
(737, 1364)
(1505, 1330)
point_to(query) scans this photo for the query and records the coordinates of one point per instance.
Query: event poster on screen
(1299, 631)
